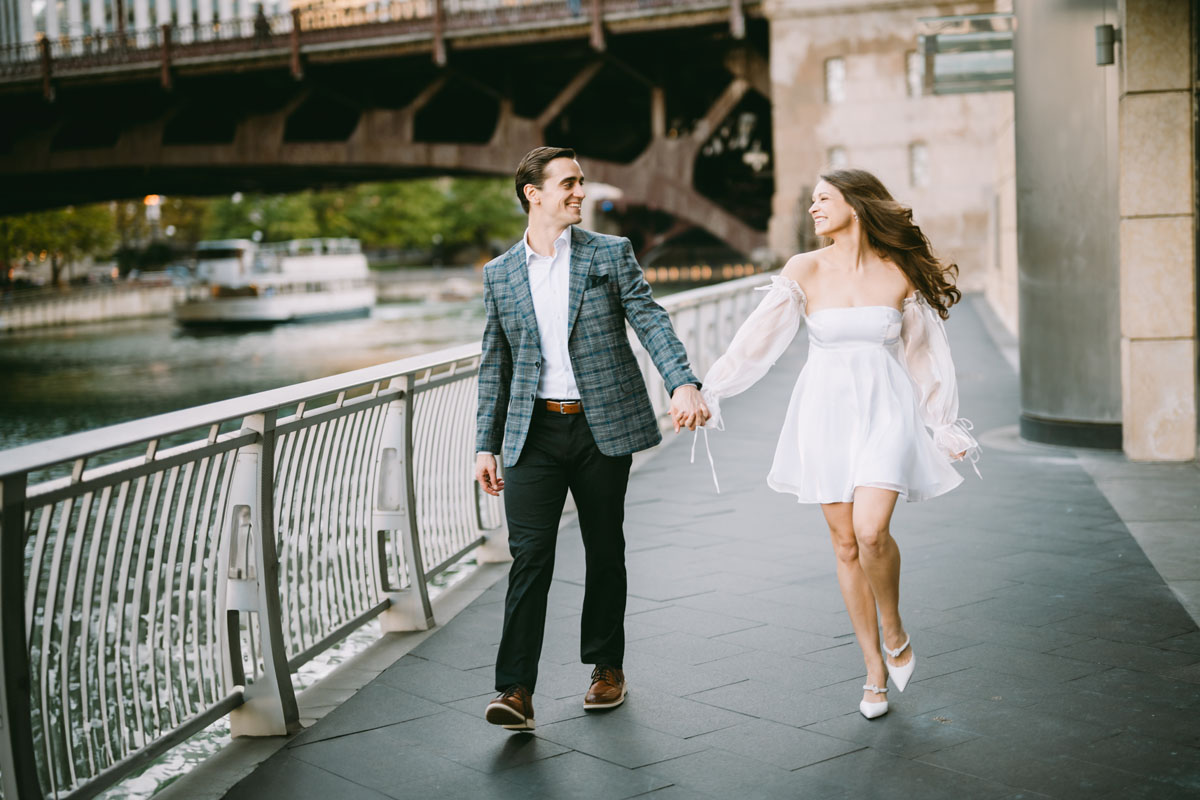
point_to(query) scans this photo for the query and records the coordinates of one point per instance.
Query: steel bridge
(667, 99)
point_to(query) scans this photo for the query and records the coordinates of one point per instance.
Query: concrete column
(162, 12)
(1157, 231)
(1067, 243)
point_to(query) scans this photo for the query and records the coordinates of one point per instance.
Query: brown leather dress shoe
(512, 709)
(607, 690)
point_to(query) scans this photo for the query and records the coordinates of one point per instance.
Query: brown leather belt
(567, 407)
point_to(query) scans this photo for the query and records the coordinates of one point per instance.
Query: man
(560, 390)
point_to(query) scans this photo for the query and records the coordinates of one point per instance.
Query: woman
(878, 372)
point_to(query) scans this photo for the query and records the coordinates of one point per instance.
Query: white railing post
(394, 509)
(250, 571)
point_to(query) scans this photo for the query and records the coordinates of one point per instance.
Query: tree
(62, 235)
(278, 217)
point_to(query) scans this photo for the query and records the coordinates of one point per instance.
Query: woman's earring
(855, 217)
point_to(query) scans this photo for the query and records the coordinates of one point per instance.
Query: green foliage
(63, 235)
(278, 216)
(395, 214)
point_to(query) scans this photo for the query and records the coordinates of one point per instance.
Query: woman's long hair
(892, 234)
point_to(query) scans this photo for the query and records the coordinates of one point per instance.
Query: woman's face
(830, 211)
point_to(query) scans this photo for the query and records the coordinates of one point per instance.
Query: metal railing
(314, 24)
(159, 574)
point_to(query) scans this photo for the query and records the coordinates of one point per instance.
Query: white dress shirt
(549, 279)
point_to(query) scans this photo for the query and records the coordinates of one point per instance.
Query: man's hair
(532, 169)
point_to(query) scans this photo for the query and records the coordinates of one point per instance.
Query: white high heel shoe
(873, 710)
(900, 674)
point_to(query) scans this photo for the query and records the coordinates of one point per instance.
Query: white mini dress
(876, 403)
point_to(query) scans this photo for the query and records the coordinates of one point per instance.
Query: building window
(837, 158)
(918, 164)
(915, 71)
(835, 80)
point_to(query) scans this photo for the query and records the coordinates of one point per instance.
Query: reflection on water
(57, 381)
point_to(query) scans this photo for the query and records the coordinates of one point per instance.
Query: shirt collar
(563, 239)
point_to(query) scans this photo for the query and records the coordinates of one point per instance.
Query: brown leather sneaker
(608, 689)
(512, 709)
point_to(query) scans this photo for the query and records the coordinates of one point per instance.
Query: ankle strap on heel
(870, 687)
(896, 653)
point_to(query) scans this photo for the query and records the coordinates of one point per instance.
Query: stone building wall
(878, 122)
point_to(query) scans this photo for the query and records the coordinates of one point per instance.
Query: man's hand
(687, 408)
(485, 473)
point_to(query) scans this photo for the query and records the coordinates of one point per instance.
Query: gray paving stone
(689, 620)
(435, 681)
(777, 639)
(1147, 756)
(283, 776)
(981, 683)
(1062, 665)
(896, 732)
(614, 737)
(725, 774)
(1054, 735)
(374, 758)
(576, 776)
(783, 673)
(782, 745)
(1128, 656)
(1022, 766)
(874, 773)
(676, 716)
(646, 670)
(685, 648)
(374, 706)
(1027, 637)
(757, 699)
(469, 740)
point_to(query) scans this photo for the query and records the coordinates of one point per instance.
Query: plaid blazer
(606, 288)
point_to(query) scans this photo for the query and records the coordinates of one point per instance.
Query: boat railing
(160, 574)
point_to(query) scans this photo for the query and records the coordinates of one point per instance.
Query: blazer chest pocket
(599, 279)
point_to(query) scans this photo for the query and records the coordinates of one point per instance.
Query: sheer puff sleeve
(756, 346)
(927, 356)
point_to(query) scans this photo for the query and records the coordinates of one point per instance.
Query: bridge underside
(676, 117)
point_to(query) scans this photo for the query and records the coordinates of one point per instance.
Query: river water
(56, 381)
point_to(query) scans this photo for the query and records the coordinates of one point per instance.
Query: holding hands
(687, 408)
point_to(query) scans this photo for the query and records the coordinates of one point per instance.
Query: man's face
(560, 200)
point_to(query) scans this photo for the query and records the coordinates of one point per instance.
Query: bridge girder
(337, 126)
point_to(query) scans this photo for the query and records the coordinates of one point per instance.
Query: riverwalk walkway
(1054, 660)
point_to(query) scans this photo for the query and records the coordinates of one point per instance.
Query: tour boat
(237, 282)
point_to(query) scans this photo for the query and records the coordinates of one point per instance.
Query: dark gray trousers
(560, 455)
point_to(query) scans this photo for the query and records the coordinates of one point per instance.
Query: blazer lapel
(582, 250)
(518, 283)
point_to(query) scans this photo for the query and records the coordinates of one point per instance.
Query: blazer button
(533, 396)
(537, 365)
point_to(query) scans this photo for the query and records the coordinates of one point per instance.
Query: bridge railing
(159, 574)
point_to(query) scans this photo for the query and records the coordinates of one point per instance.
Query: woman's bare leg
(880, 558)
(856, 592)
